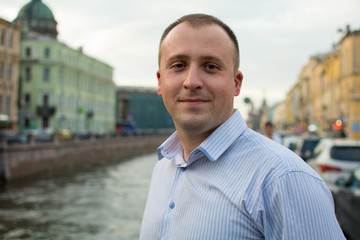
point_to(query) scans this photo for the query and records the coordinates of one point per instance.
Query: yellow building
(349, 82)
(331, 66)
(318, 103)
(328, 90)
(279, 113)
(292, 109)
(9, 65)
(306, 83)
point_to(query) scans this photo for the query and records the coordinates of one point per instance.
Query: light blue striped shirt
(237, 184)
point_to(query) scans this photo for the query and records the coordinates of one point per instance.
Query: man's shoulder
(258, 152)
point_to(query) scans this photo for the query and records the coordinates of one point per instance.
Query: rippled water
(104, 204)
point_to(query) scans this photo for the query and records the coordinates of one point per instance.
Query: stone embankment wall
(26, 160)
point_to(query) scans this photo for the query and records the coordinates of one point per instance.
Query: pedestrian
(270, 133)
(216, 178)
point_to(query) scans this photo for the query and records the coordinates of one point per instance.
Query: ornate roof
(35, 16)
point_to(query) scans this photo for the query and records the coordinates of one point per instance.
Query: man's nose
(193, 78)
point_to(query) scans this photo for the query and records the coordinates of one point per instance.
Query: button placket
(179, 170)
(168, 214)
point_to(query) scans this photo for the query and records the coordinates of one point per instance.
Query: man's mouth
(193, 101)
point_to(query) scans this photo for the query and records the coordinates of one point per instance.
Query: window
(1, 69)
(28, 52)
(346, 153)
(28, 74)
(10, 40)
(46, 74)
(2, 37)
(27, 99)
(45, 122)
(7, 105)
(9, 72)
(27, 123)
(47, 52)
(46, 99)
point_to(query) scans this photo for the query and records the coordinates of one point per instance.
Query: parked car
(305, 146)
(64, 135)
(40, 135)
(84, 135)
(16, 138)
(289, 141)
(335, 159)
(347, 205)
(126, 127)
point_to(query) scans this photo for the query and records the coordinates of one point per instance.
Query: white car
(335, 159)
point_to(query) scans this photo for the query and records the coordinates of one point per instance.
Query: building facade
(278, 116)
(327, 93)
(349, 82)
(60, 87)
(9, 65)
(142, 107)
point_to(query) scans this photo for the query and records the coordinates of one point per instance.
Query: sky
(276, 37)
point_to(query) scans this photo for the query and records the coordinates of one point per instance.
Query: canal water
(103, 204)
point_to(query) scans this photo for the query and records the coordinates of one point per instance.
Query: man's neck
(269, 135)
(191, 142)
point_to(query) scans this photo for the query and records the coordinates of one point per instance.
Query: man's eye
(211, 67)
(178, 66)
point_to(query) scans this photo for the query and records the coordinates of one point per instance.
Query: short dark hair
(269, 124)
(199, 19)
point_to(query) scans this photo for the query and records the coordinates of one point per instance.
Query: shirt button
(183, 169)
(172, 205)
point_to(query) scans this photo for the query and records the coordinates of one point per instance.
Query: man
(269, 132)
(216, 178)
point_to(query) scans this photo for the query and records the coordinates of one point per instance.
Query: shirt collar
(170, 148)
(213, 146)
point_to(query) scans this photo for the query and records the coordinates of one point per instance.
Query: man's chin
(194, 126)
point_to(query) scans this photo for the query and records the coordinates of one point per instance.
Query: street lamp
(248, 101)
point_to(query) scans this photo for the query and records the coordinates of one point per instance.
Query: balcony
(45, 111)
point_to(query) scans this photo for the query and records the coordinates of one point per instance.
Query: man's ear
(238, 81)
(158, 88)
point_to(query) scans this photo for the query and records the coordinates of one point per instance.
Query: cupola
(35, 16)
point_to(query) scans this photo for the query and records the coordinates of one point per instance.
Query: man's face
(269, 130)
(196, 77)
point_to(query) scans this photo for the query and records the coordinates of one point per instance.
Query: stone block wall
(26, 160)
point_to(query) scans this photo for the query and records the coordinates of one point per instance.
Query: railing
(23, 160)
(74, 137)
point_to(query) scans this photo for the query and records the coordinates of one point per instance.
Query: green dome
(37, 17)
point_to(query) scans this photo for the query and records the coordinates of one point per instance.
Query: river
(103, 204)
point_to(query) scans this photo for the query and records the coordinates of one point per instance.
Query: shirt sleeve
(298, 206)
